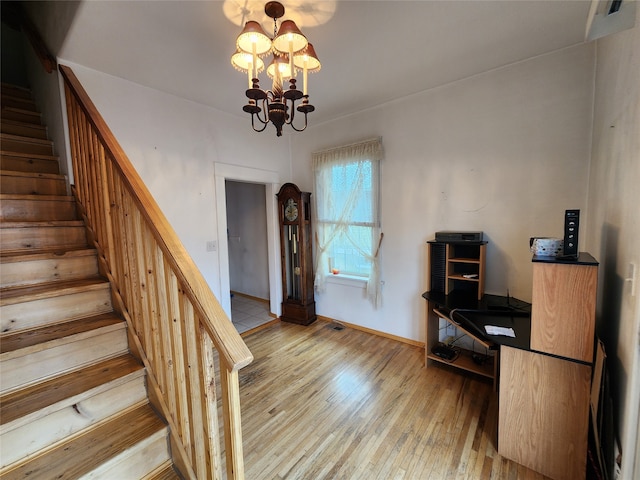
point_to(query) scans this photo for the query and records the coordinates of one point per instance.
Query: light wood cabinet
(563, 309)
(545, 391)
(544, 413)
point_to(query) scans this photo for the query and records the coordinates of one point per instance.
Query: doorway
(248, 254)
(270, 182)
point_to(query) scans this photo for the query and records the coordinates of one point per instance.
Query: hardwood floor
(320, 403)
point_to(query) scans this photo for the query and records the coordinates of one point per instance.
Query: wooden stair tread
(16, 90)
(165, 472)
(19, 101)
(47, 254)
(16, 95)
(52, 223)
(9, 153)
(7, 256)
(21, 110)
(40, 198)
(23, 339)
(66, 388)
(18, 123)
(20, 138)
(15, 173)
(11, 295)
(87, 451)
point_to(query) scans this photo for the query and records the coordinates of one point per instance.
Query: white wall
(505, 152)
(173, 144)
(614, 222)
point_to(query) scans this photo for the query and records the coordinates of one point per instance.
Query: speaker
(438, 267)
(571, 225)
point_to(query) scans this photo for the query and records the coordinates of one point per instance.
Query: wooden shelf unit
(464, 361)
(456, 267)
(465, 267)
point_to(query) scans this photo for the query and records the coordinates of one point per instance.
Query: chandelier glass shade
(291, 53)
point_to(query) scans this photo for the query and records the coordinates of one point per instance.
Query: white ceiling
(371, 51)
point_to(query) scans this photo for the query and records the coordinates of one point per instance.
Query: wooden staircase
(73, 399)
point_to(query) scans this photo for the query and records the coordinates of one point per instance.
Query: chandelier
(291, 53)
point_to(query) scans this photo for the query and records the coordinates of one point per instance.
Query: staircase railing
(174, 318)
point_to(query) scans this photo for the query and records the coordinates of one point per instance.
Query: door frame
(271, 181)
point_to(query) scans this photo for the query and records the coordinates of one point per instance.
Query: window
(347, 220)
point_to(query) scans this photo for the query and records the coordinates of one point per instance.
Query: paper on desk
(504, 331)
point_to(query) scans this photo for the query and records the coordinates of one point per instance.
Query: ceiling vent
(609, 16)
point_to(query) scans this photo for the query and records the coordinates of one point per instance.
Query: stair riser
(30, 165)
(37, 210)
(24, 129)
(25, 370)
(10, 184)
(61, 421)
(21, 103)
(137, 461)
(45, 311)
(26, 238)
(36, 148)
(48, 270)
(21, 116)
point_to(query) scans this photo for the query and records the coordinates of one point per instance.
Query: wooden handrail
(174, 317)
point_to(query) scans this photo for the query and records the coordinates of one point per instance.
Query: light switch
(632, 278)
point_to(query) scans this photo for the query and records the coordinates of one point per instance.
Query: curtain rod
(379, 139)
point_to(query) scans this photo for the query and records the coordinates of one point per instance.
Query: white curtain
(335, 204)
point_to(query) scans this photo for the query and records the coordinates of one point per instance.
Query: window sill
(347, 280)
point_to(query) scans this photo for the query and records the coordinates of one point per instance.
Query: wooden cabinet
(545, 391)
(564, 308)
(544, 412)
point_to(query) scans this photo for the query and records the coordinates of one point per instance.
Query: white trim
(347, 280)
(271, 181)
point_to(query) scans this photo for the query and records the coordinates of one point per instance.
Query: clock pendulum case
(294, 211)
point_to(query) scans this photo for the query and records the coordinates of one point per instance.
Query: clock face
(291, 210)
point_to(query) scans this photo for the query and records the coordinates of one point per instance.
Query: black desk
(471, 315)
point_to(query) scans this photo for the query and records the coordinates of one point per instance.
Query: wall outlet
(212, 246)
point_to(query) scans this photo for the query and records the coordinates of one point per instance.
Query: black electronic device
(444, 352)
(459, 236)
(571, 225)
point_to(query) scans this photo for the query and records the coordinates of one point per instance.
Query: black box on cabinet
(451, 237)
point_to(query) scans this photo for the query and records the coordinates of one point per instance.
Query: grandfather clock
(298, 305)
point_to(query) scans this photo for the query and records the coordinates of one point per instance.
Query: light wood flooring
(320, 403)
